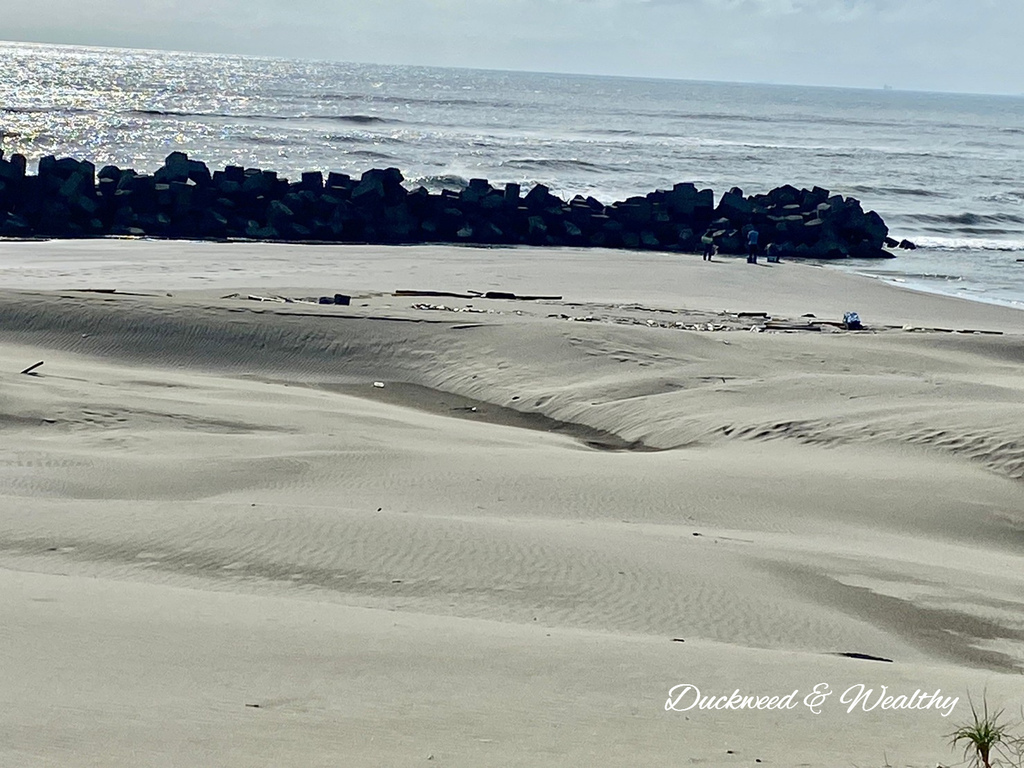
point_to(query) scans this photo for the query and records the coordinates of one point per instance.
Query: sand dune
(207, 505)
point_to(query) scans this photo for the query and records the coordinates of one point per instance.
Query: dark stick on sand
(32, 368)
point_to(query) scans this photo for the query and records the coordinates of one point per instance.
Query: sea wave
(57, 109)
(980, 225)
(267, 140)
(801, 118)
(356, 118)
(403, 100)
(346, 138)
(969, 244)
(556, 164)
(1009, 196)
(867, 189)
(369, 154)
(437, 182)
(734, 117)
(928, 276)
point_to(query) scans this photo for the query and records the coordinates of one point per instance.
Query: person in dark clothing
(708, 241)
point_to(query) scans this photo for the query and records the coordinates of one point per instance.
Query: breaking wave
(356, 119)
(556, 164)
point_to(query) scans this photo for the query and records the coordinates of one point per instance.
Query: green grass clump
(985, 736)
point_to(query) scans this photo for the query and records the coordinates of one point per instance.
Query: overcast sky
(945, 45)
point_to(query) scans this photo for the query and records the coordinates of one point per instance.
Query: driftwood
(864, 657)
(254, 297)
(949, 330)
(439, 294)
(477, 295)
(32, 368)
(112, 292)
(782, 326)
(503, 295)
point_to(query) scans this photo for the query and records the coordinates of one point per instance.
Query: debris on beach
(476, 295)
(337, 299)
(446, 308)
(28, 371)
(254, 297)
(781, 325)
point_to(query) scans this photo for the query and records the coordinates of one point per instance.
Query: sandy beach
(224, 543)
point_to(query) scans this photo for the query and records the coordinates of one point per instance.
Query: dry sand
(222, 545)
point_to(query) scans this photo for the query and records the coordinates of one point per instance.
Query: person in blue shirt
(752, 246)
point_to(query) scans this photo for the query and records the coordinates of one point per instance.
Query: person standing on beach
(709, 245)
(752, 246)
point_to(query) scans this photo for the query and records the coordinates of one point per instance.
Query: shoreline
(836, 265)
(912, 281)
(31, 264)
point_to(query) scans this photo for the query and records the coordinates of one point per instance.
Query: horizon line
(885, 87)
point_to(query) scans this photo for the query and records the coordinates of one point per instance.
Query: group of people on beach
(753, 236)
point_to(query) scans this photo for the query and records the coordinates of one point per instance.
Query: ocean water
(944, 170)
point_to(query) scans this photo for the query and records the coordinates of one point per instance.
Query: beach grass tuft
(986, 734)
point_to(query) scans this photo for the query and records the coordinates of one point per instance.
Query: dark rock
(12, 171)
(369, 191)
(785, 195)
(476, 191)
(648, 239)
(199, 175)
(493, 201)
(814, 197)
(313, 181)
(398, 223)
(257, 183)
(338, 181)
(175, 168)
(234, 173)
(873, 230)
(734, 207)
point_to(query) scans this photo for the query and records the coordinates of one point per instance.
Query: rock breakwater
(67, 198)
